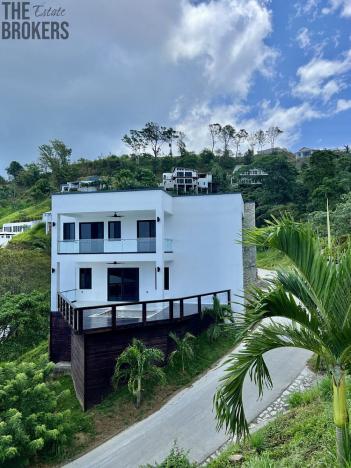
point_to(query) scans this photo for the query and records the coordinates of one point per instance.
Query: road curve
(188, 418)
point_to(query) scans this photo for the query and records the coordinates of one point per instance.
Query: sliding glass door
(147, 236)
(123, 284)
(91, 237)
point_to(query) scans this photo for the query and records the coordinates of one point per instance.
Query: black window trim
(110, 223)
(89, 281)
(70, 232)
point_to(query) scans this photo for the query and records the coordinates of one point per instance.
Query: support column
(160, 248)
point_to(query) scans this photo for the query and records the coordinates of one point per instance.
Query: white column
(160, 264)
(55, 237)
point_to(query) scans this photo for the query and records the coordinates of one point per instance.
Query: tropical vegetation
(184, 349)
(313, 299)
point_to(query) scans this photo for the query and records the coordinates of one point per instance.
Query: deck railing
(111, 316)
(93, 246)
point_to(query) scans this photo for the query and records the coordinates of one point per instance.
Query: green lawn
(29, 213)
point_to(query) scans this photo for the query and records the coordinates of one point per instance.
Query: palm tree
(313, 298)
(137, 364)
(222, 316)
(184, 348)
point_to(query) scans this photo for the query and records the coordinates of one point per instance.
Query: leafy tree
(181, 144)
(152, 135)
(261, 138)
(124, 179)
(14, 169)
(135, 142)
(313, 297)
(227, 135)
(55, 157)
(184, 349)
(30, 420)
(215, 132)
(222, 316)
(24, 322)
(272, 135)
(137, 364)
(238, 138)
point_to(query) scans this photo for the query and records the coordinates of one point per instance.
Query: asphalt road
(188, 418)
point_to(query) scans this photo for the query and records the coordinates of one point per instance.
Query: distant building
(272, 151)
(47, 219)
(183, 180)
(305, 152)
(251, 176)
(9, 230)
(90, 184)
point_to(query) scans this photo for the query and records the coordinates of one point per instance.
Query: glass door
(123, 284)
(147, 236)
(91, 237)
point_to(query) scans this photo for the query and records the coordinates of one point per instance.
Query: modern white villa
(144, 245)
(184, 180)
(9, 230)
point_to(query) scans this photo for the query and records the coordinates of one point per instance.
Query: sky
(182, 63)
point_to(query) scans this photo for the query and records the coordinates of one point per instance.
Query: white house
(183, 180)
(305, 152)
(144, 245)
(9, 230)
(90, 184)
(251, 176)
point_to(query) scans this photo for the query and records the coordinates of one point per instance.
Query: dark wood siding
(94, 355)
(60, 338)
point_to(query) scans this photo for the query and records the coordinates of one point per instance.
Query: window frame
(71, 231)
(82, 279)
(113, 223)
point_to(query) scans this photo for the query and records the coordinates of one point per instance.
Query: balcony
(97, 246)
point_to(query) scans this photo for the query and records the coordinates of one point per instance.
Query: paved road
(189, 419)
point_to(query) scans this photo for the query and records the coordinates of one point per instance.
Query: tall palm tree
(184, 348)
(313, 297)
(137, 364)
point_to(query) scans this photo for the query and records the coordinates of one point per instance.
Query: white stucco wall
(205, 229)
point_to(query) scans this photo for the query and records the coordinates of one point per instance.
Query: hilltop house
(89, 184)
(247, 176)
(137, 263)
(304, 152)
(183, 180)
(9, 230)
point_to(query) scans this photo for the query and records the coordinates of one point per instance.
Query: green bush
(177, 458)
(34, 239)
(30, 422)
(24, 322)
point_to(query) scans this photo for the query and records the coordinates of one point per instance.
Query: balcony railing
(94, 318)
(93, 246)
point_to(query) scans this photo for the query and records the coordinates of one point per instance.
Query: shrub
(177, 458)
(30, 423)
(24, 320)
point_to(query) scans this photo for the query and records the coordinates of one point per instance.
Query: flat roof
(159, 189)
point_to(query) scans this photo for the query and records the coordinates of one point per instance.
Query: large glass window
(147, 236)
(85, 281)
(114, 229)
(69, 231)
(91, 230)
(123, 284)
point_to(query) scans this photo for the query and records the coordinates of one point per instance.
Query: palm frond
(228, 400)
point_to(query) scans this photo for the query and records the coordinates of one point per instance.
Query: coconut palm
(222, 316)
(313, 300)
(184, 349)
(137, 364)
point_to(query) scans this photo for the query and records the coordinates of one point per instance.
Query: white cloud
(344, 6)
(321, 78)
(303, 38)
(226, 38)
(343, 105)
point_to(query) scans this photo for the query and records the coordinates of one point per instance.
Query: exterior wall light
(158, 269)
(53, 270)
(54, 224)
(158, 219)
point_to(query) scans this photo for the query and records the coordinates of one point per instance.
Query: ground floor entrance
(122, 284)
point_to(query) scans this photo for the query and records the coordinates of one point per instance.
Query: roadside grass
(302, 437)
(270, 259)
(118, 411)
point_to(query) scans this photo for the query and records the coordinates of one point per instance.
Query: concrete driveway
(188, 418)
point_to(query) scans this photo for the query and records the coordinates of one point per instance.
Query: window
(114, 229)
(69, 231)
(188, 181)
(188, 174)
(147, 229)
(91, 230)
(85, 278)
(166, 279)
(180, 174)
(180, 181)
